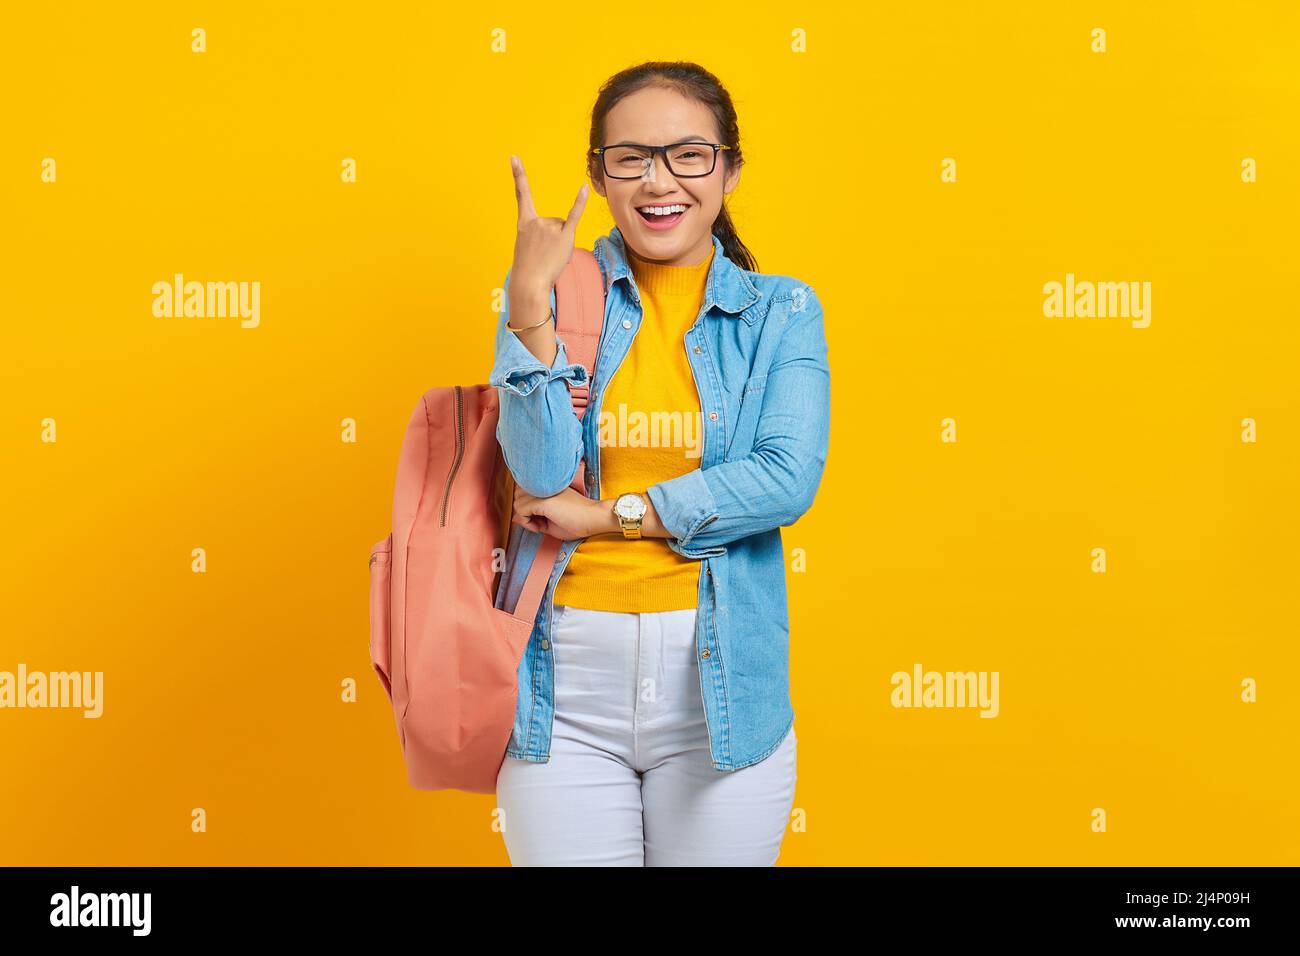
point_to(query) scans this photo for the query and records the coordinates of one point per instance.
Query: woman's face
(655, 116)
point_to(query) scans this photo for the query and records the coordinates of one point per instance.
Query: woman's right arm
(539, 433)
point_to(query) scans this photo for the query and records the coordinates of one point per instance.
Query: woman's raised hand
(543, 245)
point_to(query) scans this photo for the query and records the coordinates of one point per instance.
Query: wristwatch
(629, 509)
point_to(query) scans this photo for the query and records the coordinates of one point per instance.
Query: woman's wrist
(603, 519)
(529, 298)
(530, 314)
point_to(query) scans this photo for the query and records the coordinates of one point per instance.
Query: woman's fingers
(523, 195)
(579, 204)
(524, 198)
(523, 513)
(543, 246)
(531, 522)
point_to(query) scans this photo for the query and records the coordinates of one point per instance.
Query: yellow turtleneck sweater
(650, 430)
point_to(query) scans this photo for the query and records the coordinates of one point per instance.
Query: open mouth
(668, 217)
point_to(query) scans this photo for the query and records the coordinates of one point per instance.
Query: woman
(654, 724)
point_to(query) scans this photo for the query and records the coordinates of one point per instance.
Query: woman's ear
(733, 177)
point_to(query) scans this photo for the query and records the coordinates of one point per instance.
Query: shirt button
(713, 416)
(627, 323)
(546, 645)
(697, 349)
(705, 652)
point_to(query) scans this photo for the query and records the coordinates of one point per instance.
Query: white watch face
(630, 506)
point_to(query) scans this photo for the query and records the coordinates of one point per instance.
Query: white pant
(630, 781)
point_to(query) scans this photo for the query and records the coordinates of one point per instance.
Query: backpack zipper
(460, 452)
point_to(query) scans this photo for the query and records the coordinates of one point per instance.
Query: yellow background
(222, 690)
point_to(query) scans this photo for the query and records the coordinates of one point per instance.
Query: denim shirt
(757, 352)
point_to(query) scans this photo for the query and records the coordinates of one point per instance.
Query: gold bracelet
(533, 326)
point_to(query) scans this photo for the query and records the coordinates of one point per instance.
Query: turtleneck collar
(658, 280)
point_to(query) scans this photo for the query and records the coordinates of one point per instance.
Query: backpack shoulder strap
(580, 316)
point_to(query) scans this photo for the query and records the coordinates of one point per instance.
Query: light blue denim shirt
(758, 354)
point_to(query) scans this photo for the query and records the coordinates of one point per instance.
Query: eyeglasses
(634, 161)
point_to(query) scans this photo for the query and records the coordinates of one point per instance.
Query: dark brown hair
(694, 81)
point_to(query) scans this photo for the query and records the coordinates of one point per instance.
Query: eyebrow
(688, 138)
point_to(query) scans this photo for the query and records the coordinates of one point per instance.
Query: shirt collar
(728, 287)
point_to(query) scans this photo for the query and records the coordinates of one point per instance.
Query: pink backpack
(448, 659)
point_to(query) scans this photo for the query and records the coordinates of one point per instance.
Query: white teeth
(661, 210)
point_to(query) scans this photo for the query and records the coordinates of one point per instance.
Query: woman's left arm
(705, 509)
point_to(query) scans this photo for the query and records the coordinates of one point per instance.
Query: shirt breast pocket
(741, 442)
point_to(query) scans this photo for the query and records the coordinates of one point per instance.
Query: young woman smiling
(654, 725)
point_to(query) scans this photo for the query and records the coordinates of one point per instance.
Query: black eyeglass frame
(662, 151)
